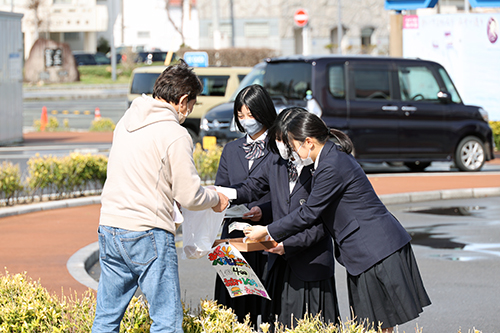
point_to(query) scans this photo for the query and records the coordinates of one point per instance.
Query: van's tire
(417, 166)
(470, 154)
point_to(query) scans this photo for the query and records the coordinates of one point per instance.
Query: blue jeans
(138, 258)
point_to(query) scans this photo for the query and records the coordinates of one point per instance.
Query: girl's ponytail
(343, 140)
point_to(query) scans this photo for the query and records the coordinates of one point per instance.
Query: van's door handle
(409, 108)
(390, 108)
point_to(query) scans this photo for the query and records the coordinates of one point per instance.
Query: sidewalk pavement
(74, 91)
(41, 240)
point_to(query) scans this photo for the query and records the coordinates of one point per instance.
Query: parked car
(394, 109)
(218, 85)
(153, 56)
(88, 58)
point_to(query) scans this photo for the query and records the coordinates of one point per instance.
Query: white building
(75, 22)
(269, 23)
(145, 24)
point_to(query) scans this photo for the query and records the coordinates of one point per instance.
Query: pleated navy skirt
(292, 298)
(391, 292)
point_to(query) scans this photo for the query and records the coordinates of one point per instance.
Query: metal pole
(466, 6)
(112, 20)
(305, 40)
(215, 24)
(339, 30)
(231, 9)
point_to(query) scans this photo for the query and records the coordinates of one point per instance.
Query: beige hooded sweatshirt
(151, 165)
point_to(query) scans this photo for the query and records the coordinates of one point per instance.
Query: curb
(65, 203)
(79, 264)
(81, 261)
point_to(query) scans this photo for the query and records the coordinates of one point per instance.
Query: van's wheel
(469, 155)
(417, 166)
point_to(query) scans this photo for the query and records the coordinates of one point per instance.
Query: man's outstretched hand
(223, 203)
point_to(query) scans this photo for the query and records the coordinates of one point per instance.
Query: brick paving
(41, 243)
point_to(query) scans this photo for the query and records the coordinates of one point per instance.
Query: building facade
(270, 23)
(75, 22)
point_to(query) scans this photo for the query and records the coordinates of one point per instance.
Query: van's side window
(449, 86)
(372, 84)
(417, 83)
(214, 85)
(336, 81)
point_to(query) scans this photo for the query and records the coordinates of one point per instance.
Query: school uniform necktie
(292, 172)
(254, 150)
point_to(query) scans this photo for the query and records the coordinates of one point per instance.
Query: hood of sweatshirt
(145, 111)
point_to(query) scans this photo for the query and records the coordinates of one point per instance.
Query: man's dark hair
(176, 81)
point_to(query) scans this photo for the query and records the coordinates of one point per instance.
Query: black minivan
(393, 109)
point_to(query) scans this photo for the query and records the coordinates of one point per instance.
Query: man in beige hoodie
(150, 165)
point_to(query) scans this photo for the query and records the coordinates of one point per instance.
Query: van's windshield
(290, 80)
(256, 76)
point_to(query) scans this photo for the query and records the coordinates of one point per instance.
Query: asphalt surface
(461, 283)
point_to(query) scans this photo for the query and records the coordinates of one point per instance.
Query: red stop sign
(300, 17)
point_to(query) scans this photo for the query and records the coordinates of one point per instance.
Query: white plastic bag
(199, 231)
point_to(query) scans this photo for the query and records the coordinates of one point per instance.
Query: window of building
(224, 28)
(366, 36)
(256, 29)
(71, 36)
(334, 38)
(143, 34)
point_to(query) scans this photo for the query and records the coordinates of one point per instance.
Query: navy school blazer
(364, 231)
(233, 169)
(309, 253)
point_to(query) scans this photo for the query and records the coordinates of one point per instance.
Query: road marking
(75, 112)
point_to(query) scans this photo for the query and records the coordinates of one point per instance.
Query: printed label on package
(237, 275)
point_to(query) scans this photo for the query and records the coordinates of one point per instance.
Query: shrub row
(25, 306)
(207, 161)
(99, 125)
(55, 176)
(495, 127)
(72, 175)
(235, 56)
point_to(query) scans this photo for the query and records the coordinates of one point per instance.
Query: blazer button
(302, 201)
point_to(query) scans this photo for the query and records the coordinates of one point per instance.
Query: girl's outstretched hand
(278, 249)
(255, 232)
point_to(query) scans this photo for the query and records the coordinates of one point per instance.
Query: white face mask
(299, 161)
(182, 116)
(283, 150)
(251, 126)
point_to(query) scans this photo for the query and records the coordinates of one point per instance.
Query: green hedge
(64, 175)
(25, 306)
(56, 176)
(72, 175)
(495, 127)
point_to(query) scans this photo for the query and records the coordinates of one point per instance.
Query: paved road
(78, 112)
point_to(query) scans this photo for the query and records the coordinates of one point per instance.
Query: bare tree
(34, 5)
(179, 29)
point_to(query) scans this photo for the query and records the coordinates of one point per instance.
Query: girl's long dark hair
(260, 104)
(296, 123)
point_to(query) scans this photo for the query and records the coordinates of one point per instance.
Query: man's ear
(183, 100)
